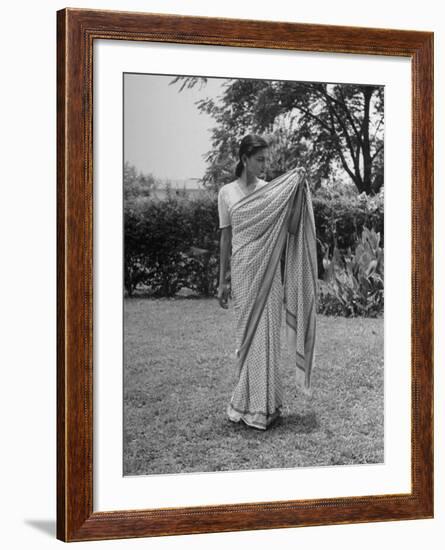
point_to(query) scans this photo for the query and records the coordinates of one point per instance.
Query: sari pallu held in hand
(275, 216)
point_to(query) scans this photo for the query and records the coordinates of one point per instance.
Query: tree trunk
(367, 160)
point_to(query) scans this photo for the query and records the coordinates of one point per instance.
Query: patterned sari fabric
(272, 218)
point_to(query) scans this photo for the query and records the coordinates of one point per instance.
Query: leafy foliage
(353, 284)
(203, 251)
(174, 243)
(171, 244)
(137, 185)
(340, 219)
(308, 123)
(136, 267)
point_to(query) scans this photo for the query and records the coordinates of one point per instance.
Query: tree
(309, 123)
(136, 185)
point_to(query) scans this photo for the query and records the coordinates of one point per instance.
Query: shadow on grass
(179, 374)
(298, 423)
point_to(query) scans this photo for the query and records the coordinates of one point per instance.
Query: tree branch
(377, 151)
(349, 115)
(343, 105)
(321, 122)
(377, 129)
(354, 177)
(354, 155)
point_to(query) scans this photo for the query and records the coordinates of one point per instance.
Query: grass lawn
(179, 373)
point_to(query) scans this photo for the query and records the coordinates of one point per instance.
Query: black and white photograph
(230, 213)
(253, 276)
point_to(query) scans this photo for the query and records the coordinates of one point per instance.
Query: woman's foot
(253, 420)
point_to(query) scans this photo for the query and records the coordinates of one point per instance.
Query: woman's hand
(224, 266)
(223, 295)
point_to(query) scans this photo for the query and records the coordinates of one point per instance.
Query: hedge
(174, 243)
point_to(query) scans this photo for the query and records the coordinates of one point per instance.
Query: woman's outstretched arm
(224, 269)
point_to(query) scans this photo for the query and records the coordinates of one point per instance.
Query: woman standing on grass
(258, 219)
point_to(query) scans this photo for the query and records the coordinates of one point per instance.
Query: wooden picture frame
(76, 32)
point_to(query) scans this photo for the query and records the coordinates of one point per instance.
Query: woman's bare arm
(224, 262)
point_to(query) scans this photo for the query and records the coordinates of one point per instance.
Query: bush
(353, 284)
(173, 243)
(203, 251)
(340, 221)
(135, 255)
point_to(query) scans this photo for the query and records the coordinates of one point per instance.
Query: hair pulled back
(250, 144)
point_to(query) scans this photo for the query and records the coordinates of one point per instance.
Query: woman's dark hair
(249, 145)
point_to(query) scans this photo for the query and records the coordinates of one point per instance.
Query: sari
(275, 217)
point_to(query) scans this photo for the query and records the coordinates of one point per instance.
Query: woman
(258, 219)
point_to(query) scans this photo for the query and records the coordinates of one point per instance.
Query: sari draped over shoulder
(275, 217)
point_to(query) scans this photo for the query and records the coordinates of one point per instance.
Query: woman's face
(256, 163)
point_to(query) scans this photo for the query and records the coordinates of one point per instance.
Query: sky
(164, 132)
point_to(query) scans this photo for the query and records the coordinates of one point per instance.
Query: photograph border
(76, 31)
